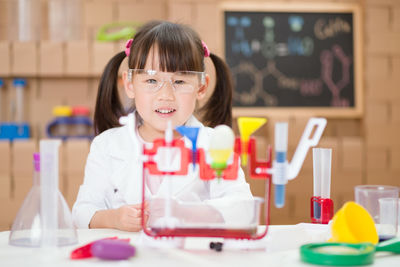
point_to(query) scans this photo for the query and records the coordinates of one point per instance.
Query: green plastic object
(117, 31)
(391, 245)
(346, 254)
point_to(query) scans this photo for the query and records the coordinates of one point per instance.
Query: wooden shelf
(55, 59)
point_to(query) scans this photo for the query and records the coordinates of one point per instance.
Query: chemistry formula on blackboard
(290, 59)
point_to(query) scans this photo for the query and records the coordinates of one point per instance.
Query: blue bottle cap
(19, 82)
(1, 82)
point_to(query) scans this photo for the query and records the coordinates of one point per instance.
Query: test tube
(49, 190)
(388, 217)
(24, 20)
(326, 159)
(317, 181)
(19, 85)
(322, 204)
(1, 99)
(279, 178)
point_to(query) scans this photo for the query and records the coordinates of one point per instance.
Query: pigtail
(108, 104)
(218, 108)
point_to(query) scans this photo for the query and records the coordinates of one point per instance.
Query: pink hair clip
(206, 50)
(128, 47)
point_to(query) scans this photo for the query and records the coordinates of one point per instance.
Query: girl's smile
(165, 112)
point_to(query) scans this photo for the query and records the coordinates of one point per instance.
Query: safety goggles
(152, 81)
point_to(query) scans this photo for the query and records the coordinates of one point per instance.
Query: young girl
(165, 79)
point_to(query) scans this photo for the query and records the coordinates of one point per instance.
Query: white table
(279, 248)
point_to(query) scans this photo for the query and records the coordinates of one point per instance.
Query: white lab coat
(113, 176)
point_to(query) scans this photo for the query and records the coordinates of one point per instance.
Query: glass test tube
(1, 99)
(24, 20)
(19, 85)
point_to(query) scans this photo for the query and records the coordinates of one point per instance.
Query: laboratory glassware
(65, 20)
(44, 219)
(24, 20)
(321, 203)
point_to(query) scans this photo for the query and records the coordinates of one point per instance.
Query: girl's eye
(179, 82)
(151, 81)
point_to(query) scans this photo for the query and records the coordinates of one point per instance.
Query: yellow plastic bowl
(353, 224)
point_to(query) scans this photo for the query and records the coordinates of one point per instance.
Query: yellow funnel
(353, 224)
(247, 126)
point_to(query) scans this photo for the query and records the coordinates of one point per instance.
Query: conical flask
(44, 219)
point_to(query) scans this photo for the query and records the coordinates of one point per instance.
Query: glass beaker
(368, 196)
(44, 218)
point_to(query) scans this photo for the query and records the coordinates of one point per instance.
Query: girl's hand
(125, 218)
(129, 218)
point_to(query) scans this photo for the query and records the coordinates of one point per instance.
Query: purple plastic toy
(112, 249)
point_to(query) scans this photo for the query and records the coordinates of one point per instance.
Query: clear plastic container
(44, 219)
(24, 20)
(368, 196)
(1, 100)
(65, 20)
(19, 101)
(213, 217)
(388, 217)
(82, 126)
(61, 126)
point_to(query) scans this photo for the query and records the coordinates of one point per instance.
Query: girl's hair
(179, 48)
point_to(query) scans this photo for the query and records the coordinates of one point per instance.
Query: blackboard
(284, 56)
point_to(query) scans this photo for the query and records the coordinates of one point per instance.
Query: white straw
(317, 171)
(326, 160)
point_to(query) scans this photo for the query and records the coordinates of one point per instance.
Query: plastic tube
(1, 99)
(24, 20)
(36, 169)
(317, 180)
(19, 85)
(49, 190)
(280, 164)
(326, 159)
